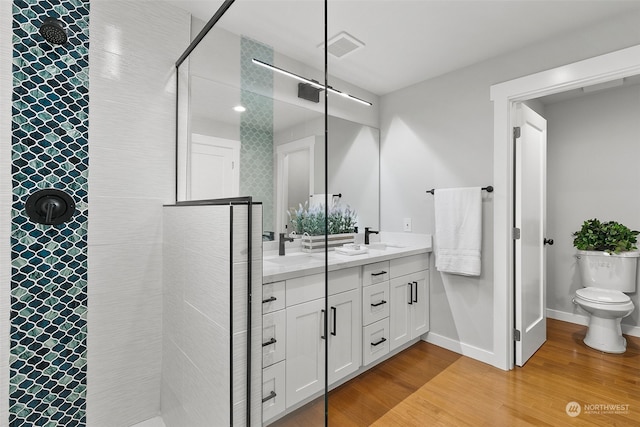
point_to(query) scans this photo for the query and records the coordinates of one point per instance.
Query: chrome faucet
(281, 243)
(367, 232)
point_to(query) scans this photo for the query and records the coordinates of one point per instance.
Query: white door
(214, 168)
(345, 334)
(530, 219)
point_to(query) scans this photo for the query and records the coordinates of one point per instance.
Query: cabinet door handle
(271, 396)
(271, 299)
(410, 293)
(335, 315)
(324, 330)
(415, 299)
(271, 341)
(379, 274)
(378, 303)
(379, 342)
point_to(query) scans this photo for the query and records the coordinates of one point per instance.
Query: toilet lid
(602, 296)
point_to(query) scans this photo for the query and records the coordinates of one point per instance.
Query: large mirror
(246, 130)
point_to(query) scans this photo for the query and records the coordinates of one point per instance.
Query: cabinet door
(420, 307)
(305, 350)
(345, 334)
(399, 311)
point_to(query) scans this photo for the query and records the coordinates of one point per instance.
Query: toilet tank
(615, 271)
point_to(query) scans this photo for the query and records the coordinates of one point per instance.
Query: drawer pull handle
(271, 299)
(379, 274)
(271, 396)
(379, 342)
(335, 316)
(378, 303)
(271, 341)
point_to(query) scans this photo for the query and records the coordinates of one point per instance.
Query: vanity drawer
(375, 341)
(375, 303)
(273, 394)
(273, 297)
(410, 264)
(308, 288)
(273, 337)
(375, 273)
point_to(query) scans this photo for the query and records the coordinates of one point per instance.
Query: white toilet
(605, 279)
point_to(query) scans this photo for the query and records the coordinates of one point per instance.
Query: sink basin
(295, 258)
(382, 246)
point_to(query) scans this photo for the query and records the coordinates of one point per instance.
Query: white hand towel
(458, 235)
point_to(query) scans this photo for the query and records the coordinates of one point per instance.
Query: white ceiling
(406, 41)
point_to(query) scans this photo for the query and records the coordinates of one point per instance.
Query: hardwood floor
(430, 386)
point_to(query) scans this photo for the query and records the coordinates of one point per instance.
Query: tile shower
(48, 354)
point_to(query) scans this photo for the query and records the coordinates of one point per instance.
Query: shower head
(53, 31)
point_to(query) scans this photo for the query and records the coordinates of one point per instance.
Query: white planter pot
(317, 243)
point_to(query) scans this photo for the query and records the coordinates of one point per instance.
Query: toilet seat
(602, 296)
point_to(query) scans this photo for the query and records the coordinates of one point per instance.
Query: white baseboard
(581, 319)
(461, 348)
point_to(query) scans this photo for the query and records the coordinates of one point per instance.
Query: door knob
(548, 241)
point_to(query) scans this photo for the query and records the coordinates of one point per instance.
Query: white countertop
(296, 263)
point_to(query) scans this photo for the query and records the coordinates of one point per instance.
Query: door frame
(599, 69)
(281, 151)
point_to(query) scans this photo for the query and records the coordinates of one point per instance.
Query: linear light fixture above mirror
(313, 83)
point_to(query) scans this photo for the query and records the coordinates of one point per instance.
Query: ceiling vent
(342, 45)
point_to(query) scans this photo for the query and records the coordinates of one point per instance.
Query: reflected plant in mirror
(311, 220)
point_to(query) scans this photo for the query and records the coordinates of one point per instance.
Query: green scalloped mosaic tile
(256, 128)
(48, 356)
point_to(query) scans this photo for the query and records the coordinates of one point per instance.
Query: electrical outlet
(406, 224)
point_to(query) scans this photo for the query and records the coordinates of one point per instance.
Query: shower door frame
(199, 37)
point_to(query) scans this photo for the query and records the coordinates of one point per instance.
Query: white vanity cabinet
(372, 309)
(306, 334)
(409, 299)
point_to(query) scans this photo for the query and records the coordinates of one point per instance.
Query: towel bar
(488, 189)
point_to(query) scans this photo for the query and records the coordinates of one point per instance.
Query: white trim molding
(600, 69)
(460, 348)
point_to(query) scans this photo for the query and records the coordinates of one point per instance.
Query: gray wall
(593, 155)
(439, 133)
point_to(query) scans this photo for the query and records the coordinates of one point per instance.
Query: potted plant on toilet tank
(610, 237)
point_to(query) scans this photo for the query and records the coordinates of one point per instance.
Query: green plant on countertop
(610, 237)
(341, 219)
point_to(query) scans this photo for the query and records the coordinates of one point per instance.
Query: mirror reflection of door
(294, 178)
(214, 168)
